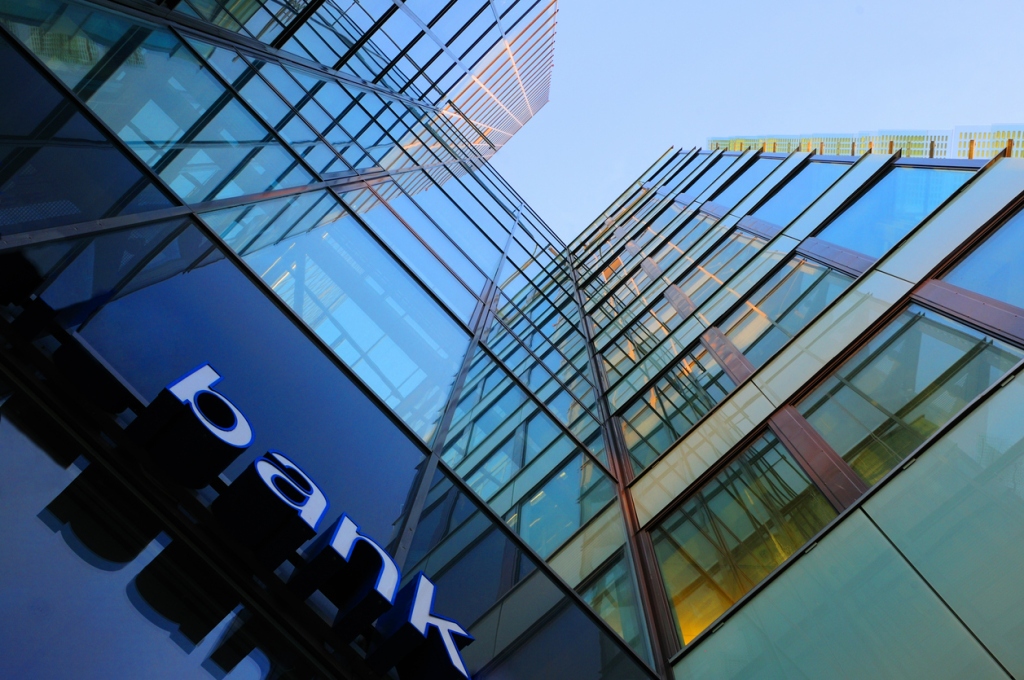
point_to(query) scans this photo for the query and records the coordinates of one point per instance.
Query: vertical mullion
(662, 633)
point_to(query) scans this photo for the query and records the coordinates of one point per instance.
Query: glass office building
(294, 385)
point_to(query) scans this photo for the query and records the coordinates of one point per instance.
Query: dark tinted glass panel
(55, 166)
(892, 208)
(735, 531)
(494, 588)
(799, 192)
(782, 307)
(157, 302)
(75, 581)
(903, 385)
(995, 267)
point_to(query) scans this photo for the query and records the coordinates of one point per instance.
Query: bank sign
(193, 432)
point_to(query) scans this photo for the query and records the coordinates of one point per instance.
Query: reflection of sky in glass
(892, 208)
(799, 192)
(993, 269)
(372, 314)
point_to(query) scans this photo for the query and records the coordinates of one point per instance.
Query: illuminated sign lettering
(273, 508)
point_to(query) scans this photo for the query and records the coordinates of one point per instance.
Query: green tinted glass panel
(958, 516)
(897, 390)
(851, 609)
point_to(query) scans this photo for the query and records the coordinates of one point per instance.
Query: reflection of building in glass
(679, 446)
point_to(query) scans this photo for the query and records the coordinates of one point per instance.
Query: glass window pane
(371, 313)
(412, 251)
(742, 185)
(613, 597)
(958, 516)
(799, 192)
(562, 505)
(429, 232)
(907, 381)
(56, 168)
(670, 408)
(254, 225)
(994, 268)
(852, 608)
(720, 165)
(161, 102)
(451, 219)
(782, 307)
(892, 208)
(736, 530)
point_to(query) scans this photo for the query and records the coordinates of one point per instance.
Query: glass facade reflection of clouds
(279, 348)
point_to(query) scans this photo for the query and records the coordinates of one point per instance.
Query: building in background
(293, 384)
(810, 362)
(965, 141)
(256, 274)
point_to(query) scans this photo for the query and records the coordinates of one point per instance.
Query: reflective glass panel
(737, 529)
(852, 609)
(892, 208)
(370, 312)
(742, 185)
(799, 192)
(159, 99)
(995, 267)
(413, 252)
(56, 168)
(613, 597)
(958, 517)
(564, 503)
(781, 307)
(899, 388)
(673, 405)
(720, 165)
(435, 203)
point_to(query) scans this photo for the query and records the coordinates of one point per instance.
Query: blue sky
(634, 78)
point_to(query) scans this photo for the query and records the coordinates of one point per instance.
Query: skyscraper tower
(293, 384)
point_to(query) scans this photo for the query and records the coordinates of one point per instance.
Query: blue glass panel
(799, 192)
(371, 313)
(892, 208)
(742, 185)
(994, 268)
(159, 99)
(404, 243)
